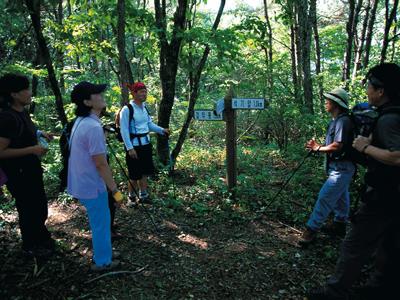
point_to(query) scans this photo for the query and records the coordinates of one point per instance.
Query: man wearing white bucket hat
(334, 194)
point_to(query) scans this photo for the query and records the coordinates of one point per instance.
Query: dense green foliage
(82, 41)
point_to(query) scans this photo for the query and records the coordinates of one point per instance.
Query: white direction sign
(248, 103)
(206, 115)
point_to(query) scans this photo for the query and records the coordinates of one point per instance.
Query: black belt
(138, 136)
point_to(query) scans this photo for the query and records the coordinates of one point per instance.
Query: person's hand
(360, 143)
(312, 145)
(48, 136)
(132, 153)
(118, 197)
(38, 150)
(167, 132)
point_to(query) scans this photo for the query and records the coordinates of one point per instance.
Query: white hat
(340, 96)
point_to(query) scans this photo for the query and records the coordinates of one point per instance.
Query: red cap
(136, 87)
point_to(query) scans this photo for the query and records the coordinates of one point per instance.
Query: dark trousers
(376, 229)
(26, 186)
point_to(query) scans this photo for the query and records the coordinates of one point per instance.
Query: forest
(200, 239)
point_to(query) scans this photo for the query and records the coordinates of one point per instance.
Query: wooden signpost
(229, 107)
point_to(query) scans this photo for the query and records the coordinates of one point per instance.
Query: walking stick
(287, 181)
(133, 188)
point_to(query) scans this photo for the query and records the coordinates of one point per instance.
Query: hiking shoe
(322, 293)
(145, 199)
(336, 229)
(132, 202)
(307, 237)
(113, 265)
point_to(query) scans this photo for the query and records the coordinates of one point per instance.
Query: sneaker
(322, 293)
(308, 237)
(114, 264)
(132, 202)
(145, 199)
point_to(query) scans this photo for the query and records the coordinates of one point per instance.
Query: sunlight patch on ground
(195, 241)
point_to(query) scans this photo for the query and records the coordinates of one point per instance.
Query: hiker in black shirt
(376, 225)
(20, 160)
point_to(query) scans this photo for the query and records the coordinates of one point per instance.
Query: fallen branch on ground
(117, 273)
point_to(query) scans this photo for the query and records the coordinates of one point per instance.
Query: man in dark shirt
(334, 194)
(376, 224)
(20, 160)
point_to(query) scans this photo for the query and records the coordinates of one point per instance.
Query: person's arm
(155, 128)
(316, 147)
(387, 157)
(104, 170)
(6, 152)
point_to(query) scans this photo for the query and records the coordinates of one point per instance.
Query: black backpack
(65, 151)
(117, 122)
(363, 118)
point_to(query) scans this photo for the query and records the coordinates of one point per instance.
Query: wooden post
(231, 158)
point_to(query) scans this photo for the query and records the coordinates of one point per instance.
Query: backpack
(363, 118)
(65, 151)
(117, 122)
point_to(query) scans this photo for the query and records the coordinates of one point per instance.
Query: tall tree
(123, 64)
(351, 28)
(34, 12)
(390, 15)
(361, 41)
(194, 80)
(314, 22)
(268, 49)
(169, 58)
(370, 32)
(303, 19)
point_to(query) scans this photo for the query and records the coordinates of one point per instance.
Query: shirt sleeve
(342, 130)
(389, 131)
(96, 141)
(124, 124)
(9, 126)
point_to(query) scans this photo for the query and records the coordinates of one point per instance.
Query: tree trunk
(394, 39)
(389, 17)
(194, 89)
(123, 70)
(269, 49)
(314, 22)
(305, 37)
(349, 42)
(360, 48)
(293, 51)
(299, 55)
(59, 52)
(34, 11)
(370, 32)
(169, 56)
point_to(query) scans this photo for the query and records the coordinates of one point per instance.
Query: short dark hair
(11, 83)
(386, 76)
(83, 91)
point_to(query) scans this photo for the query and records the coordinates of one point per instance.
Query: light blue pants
(99, 221)
(334, 195)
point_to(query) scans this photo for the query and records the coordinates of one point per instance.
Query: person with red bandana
(135, 126)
